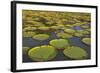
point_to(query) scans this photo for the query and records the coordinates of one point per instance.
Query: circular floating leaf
(85, 26)
(54, 27)
(43, 28)
(49, 23)
(59, 43)
(75, 52)
(78, 34)
(86, 41)
(69, 31)
(69, 25)
(42, 53)
(64, 35)
(29, 28)
(41, 37)
(83, 31)
(28, 34)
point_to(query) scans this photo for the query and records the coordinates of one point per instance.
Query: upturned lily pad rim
(42, 48)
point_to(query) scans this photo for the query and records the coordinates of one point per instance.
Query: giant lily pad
(86, 41)
(41, 37)
(59, 43)
(75, 52)
(42, 53)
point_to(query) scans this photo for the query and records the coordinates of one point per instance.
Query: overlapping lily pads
(55, 30)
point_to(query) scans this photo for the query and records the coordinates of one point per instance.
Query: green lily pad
(83, 31)
(59, 43)
(85, 27)
(54, 27)
(75, 52)
(49, 23)
(28, 34)
(71, 31)
(43, 28)
(41, 37)
(64, 35)
(86, 41)
(42, 53)
(69, 25)
(77, 34)
(29, 28)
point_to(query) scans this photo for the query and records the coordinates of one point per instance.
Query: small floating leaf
(43, 28)
(69, 31)
(29, 28)
(83, 31)
(78, 34)
(85, 26)
(86, 41)
(64, 35)
(28, 34)
(41, 37)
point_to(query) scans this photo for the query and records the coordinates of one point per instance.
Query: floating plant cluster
(39, 26)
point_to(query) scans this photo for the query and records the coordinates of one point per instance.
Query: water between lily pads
(75, 41)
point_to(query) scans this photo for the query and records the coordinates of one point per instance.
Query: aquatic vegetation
(85, 26)
(49, 23)
(69, 25)
(77, 34)
(55, 27)
(56, 30)
(77, 24)
(29, 28)
(36, 18)
(44, 28)
(35, 23)
(59, 43)
(86, 41)
(28, 34)
(41, 37)
(89, 30)
(83, 31)
(42, 53)
(64, 35)
(75, 52)
(71, 31)
(25, 50)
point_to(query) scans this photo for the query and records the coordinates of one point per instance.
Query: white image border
(39, 65)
